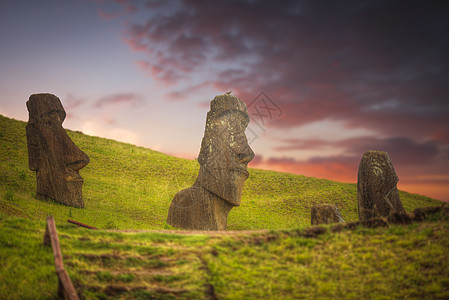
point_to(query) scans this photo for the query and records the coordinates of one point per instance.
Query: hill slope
(395, 262)
(130, 187)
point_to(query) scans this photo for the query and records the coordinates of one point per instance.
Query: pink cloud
(108, 16)
(71, 104)
(257, 160)
(143, 65)
(135, 45)
(129, 99)
(149, 69)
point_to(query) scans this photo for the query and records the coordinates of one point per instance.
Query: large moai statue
(52, 154)
(377, 191)
(325, 214)
(223, 159)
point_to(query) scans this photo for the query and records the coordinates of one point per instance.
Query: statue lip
(73, 176)
(242, 168)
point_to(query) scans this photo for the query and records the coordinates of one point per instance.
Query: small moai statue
(377, 191)
(325, 214)
(223, 159)
(52, 154)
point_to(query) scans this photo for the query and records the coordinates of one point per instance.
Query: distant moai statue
(377, 191)
(325, 214)
(223, 159)
(52, 154)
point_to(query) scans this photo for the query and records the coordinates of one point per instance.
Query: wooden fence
(65, 286)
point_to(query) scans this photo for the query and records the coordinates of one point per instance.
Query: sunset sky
(324, 81)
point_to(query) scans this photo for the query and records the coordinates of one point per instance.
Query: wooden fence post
(65, 286)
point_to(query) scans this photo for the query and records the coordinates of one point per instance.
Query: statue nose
(246, 156)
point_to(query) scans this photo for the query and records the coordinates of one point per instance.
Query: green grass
(129, 187)
(100, 264)
(397, 262)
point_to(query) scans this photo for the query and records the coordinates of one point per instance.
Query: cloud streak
(405, 150)
(116, 99)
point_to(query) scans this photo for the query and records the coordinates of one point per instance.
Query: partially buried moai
(52, 154)
(325, 214)
(377, 191)
(223, 159)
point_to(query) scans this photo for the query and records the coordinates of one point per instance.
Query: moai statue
(377, 192)
(52, 154)
(325, 214)
(223, 159)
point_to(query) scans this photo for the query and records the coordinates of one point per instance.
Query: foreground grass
(131, 187)
(398, 262)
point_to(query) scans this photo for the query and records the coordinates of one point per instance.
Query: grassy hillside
(396, 262)
(129, 187)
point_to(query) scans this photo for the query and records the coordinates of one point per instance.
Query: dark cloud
(129, 98)
(403, 150)
(343, 160)
(417, 164)
(372, 64)
(282, 160)
(345, 167)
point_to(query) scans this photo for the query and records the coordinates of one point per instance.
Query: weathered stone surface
(52, 154)
(223, 159)
(325, 214)
(377, 192)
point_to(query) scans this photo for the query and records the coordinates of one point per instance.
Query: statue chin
(75, 195)
(228, 186)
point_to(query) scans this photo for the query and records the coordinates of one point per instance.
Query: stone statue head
(225, 152)
(377, 191)
(52, 154)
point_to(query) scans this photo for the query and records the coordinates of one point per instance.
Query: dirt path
(198, 232)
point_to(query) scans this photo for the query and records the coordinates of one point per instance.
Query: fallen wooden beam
(80, 224)
(65, 286)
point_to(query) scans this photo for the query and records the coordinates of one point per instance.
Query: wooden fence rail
(80, 224)
(65, 286)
